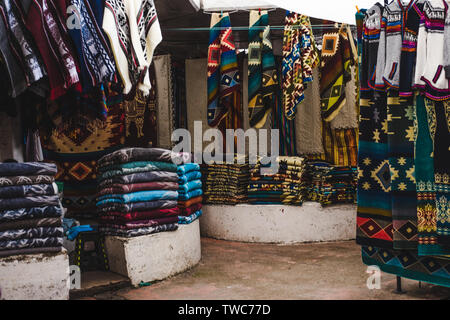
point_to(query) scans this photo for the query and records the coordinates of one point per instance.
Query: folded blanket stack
(286, 186)
(30, 209)
(138, 191)
(331, 184)
(225, 183)
(189, 192)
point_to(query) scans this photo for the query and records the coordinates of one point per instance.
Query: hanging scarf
(223, 73)
(336, 59)
(262, 75)
(300, 57)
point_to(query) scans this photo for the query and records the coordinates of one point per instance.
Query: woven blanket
(30, 223)
(186, 211)
(32, 233)
(149, 165)
(150, 176)
(137, 206)
(190, 202)
(187, 187)
(30, 213)
(135, 187)
(31, 243)
(28, 190)
(188, 167)
(140, 196)
(27, 169)
(117, 224)
(165, 167)
(29, 202)
(24, 251)
(189, 219)
(190, 194)
(139, 231)
(137, 154)
(190, 176)
(26, 180)
(140, 215)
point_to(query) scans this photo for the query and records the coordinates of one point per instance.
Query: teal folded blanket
(193, 175)
(157, 165)
(140, 196)
(192, 185)
(189, 219)
(188, 167)
(149, 166)
(190, 194)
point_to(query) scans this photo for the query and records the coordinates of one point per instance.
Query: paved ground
(233, 270)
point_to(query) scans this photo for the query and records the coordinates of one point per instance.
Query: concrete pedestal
(279, 224)
(155, 256)
(42, 276)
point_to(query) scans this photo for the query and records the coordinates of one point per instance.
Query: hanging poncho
(262, 75)
(299, 59)
(336, 59)
(223, 74)
(134, 32)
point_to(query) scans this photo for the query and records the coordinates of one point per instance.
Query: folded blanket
(139, 231)
(151, 165)
(31, 223)
(188, 167)
(27, 169)
(26, 180)
(15, 252)
(137, 206)
(138, 154)
(191, 185)
(150, 176)
(189, 176)
(29, 202)
(129, 188)
(190, 210)
(139, 196)
(30, 213)
(31, 243)
(28, 190)
(190, 194)
(40, 232)
(141, 215)
(189, 219)
(117, 224)
(162, 166)
(190, 202)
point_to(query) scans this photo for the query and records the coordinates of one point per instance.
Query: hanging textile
(300, 57)
(134, 33)
(348, 117)
(262, 74)
(179, 94)
(335, 71)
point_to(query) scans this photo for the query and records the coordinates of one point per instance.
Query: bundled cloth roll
(226, 183)
(138, 191)
(285, 186)
(331, 184)
(30, 209)
(190, 192)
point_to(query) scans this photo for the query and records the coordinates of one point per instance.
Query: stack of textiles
(189, 192)
(330, 184)
(138, 192)
(225, 183)
(287, 186)
(30, 209)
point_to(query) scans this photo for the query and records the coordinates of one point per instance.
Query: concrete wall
(279, 224)
(35, 277)
(155, 256)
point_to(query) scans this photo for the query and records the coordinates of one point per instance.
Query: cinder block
(43, 276)
(279, 223)
(155, 256)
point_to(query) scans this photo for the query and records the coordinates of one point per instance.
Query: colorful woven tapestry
(262, 73)
(335, 67)
(223, 75)
(300, 57)
(401, 136)
(426, 191)
(340, 145)
(374, 214)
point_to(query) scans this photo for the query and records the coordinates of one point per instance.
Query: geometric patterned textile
(300, 57)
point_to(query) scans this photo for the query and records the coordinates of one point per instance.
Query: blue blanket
(138, 196)
(189, 219)
(188, 167)
(192, 175)
(190, 194)
(190, 186)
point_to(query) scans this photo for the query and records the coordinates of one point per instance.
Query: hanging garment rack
(314, 26)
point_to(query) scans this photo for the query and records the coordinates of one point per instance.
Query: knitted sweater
(409, 48)
(133, 29)
(372, 29)
(429, 73)
(389, 50)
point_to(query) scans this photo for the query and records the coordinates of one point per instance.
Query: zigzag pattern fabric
(223, 73)
(262, 74)
(300, 57)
